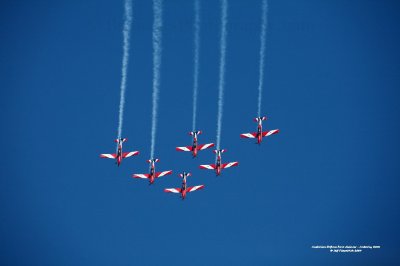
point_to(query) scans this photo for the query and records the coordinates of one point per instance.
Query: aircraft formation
(195, 148)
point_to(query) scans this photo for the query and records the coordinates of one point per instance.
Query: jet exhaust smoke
(196, 59)
(157, 38)
(224, 20)
(125, 59)
(263, 34)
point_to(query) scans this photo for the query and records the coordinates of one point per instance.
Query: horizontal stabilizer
(123, 140)
(187, 174)
(263, 118)
(197, 132)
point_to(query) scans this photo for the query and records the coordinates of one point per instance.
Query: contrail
(157, 38)
(224, 20)
(263, 34)
(196, 59)
(125, 59)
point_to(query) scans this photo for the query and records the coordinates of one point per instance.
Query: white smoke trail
(125, 59)
(196, 59)
(224, 20)
(157, 38)
(263, 34)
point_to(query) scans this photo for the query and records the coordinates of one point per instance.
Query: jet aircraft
(218, 166)
(119, 155)
(184, 189)
(195, 147)
(259, 134)
(153, 174)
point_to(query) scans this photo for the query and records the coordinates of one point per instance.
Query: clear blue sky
(331, 177)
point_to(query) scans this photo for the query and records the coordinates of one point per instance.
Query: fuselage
(152, 172)
(259, 131)
(259, 128)
(194, 147)
(218, 163)
(183, 188)
(119, 141)
(119, 154)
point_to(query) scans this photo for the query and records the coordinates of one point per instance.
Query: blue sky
(329, 178)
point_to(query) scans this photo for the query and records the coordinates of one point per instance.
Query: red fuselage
(218, 164)
(194, 147)
(183, 188)
(119, 154)
(259, 133)
(152, 173)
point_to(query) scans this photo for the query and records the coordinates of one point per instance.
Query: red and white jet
(119, 155)
(153, 174)
(195, 147)
(218, 166)
(259, 134)
(184, 189)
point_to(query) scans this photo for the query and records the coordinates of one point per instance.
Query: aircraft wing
(141, 175)
(205, 146)
(191, 189)
(270, 132)
(172, 190)
(249, 135)
(227, 165)
(187, 148)
(163, 173)
(129, 154)
(109, 156)
(208, 166)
